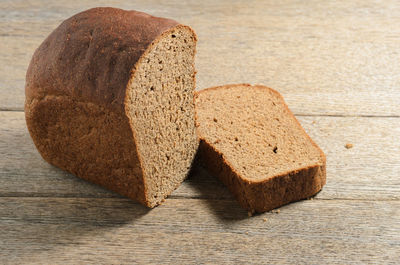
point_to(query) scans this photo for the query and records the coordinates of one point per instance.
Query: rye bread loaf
(109, 98)
(254, 144)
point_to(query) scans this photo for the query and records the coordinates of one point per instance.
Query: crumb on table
(349, 145)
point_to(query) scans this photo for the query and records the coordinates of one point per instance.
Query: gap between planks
(172, 197)
(296, 114)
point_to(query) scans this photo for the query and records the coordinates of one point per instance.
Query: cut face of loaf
(255, 145)
(160, 106)
(109, 98)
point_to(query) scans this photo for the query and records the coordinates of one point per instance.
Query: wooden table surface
(337, 63)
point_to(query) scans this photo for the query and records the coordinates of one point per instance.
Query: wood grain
(320, 56)
(370, 170)
(337, 65)
(109, 231)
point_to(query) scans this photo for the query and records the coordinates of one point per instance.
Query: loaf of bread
(109, 98)
(255, 145)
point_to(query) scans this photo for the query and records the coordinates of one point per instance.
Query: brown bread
(109, 98)
(254, 144)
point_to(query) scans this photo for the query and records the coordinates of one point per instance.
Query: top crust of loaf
(97, 50)
(322, 160)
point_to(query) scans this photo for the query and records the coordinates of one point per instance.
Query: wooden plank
(114, 230)
(370, 170)
(320, 56)
(333, 61)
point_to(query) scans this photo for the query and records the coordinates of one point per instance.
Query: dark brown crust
(75, 94)
(91, 55)
(264, 195)
(89, 141)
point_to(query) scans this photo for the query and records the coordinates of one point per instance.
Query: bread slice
(110, 98)
(255, 145)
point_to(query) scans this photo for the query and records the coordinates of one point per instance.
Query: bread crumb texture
(254, 131)
(160, 104)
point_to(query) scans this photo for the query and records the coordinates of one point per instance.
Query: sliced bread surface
(254, 144)
(109, 98)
